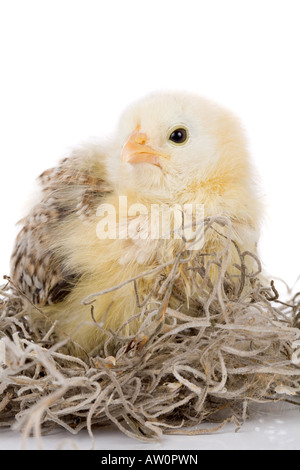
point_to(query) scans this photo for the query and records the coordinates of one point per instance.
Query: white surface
(69, 67)
(273, 426)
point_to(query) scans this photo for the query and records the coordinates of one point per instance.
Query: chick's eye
(178, 136)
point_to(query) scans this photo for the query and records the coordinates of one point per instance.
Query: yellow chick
(169, 148)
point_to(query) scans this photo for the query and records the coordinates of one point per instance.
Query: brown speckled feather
(35, 266)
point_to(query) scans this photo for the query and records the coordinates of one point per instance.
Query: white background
(69, 67)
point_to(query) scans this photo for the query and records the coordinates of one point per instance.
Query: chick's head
(170, 144)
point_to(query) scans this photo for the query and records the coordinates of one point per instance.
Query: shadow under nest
(241, 344)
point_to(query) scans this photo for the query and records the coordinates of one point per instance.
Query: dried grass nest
(178, 373)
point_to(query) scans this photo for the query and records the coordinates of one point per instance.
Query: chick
(168, 148)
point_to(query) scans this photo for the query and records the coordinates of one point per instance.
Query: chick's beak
(136, 150)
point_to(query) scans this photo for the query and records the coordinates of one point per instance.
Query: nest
(177, 373)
